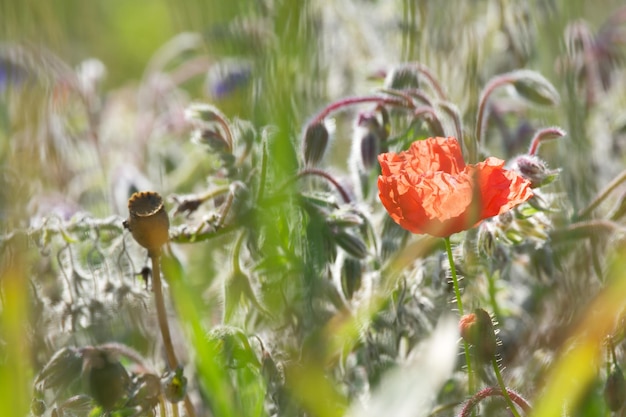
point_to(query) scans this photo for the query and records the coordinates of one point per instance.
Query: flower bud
(107, 379)
(477, 329)
(369, 136)
(534, 170)
(351, 276)
(535, 88)
(315, 142)
(351, 243)
(148, 221)
(615, 389)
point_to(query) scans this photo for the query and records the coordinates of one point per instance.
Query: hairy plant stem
(481, 119)
(459, 303)
(542, 135)
(490, 392)
(164, 327)
(320, 173)
(349, 101)
(505, 392)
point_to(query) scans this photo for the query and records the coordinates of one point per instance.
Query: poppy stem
(491, 392)
(542, 135)
(505, 391)
(481, 119)
(349, 101)
(159, 301)
(459, 303)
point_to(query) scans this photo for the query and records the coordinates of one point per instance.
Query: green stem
(493, 296)
(159, 301)
(459, 303)
(505, 392)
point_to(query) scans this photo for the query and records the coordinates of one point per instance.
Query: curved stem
(490, 392)
(349, 101)
(482, 111)
(452, 111)
(459, 303)
(318, 172)
(505, 392)
(164, 327)
(433, 121)
(542, 135)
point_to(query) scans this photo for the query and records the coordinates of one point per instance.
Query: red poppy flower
(429, 189)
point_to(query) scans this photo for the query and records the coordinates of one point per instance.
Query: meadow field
(312, 208)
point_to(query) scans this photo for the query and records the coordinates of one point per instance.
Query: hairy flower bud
(369, 138)
(535, 88)
(107, 380)
(315, 142)
(352, 244)
(351, 276)
(477, 329)
(148, 221)
(534, 170)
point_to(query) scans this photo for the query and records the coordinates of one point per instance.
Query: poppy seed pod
(148, 221)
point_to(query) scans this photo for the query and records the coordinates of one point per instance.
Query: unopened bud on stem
(315, 143)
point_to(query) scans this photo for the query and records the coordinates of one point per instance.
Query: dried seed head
(148, 221)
